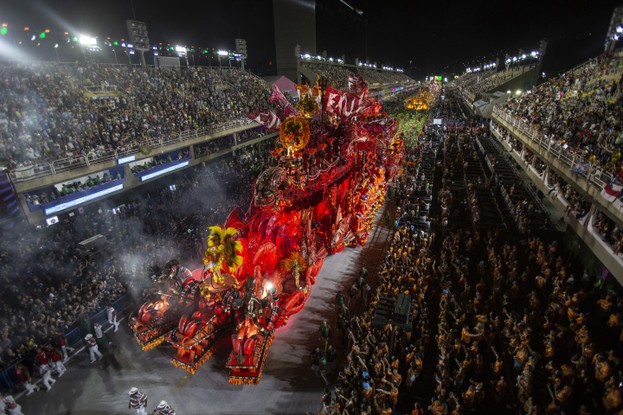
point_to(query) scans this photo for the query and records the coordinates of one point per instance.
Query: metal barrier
(568, 158)
(74, 336)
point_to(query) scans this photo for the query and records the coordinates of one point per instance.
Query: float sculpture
(328, 181)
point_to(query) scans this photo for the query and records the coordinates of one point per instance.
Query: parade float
(327, 182)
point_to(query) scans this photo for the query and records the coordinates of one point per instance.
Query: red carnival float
(326, 185)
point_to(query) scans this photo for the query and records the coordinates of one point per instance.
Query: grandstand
(468, 238)
(567, 134)
(382, 82)
(93, 131)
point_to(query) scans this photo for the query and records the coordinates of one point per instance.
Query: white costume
(11, 407)
(111, 314)
(164, 408)
(138, 401)
(46, 376)
(93, 349)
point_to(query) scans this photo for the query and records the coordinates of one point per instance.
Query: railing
(595, 176)
(102, 89)
(44, 169)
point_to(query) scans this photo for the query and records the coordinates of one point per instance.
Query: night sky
(421, 37)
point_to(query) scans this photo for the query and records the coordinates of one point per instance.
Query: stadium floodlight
(56, 46)
(86, 40)
(619, 29)
(222, 52)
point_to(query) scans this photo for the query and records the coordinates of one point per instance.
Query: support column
(130, 179)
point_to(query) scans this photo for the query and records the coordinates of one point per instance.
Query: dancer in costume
(138, 401)
(164, 408)
(92, 346)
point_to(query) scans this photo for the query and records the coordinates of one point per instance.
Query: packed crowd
(501, 323)
(51, 285)
(48, 286)
(374, 76)
(609, 231)
(381, 356)
(337, 75)
(580, 112)
(576, 204)
(47, 113)
(476, 83)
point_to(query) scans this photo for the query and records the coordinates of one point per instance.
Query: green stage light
(4, 31)
(42, 35)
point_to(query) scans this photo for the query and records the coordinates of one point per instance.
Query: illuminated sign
(126, 159)
(83, 199)
(165, 171)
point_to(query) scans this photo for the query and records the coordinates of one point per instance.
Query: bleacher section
(567, 133)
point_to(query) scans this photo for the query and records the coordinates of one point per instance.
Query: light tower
(241, 48)
(615, 30)
(137, 32)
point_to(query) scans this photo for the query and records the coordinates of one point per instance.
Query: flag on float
(356, 84)
(285, 107)
(268, 119)
(334, 101)
(343, 104)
